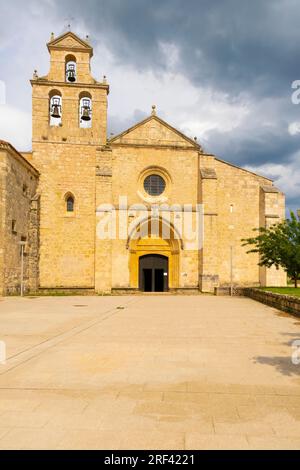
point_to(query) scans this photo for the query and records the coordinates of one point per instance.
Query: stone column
(209, 278)
(33, 244)
(103, 247)
(272, 211)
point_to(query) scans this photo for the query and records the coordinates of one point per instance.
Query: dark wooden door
(153, 273)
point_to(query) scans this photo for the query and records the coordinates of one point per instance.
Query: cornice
(158, 146)
(39, 81)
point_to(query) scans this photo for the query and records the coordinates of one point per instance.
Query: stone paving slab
(164, 372)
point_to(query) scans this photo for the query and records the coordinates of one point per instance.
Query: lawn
(284, 290)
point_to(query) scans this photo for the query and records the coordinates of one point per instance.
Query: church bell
(86, 111)
(71, 75)
(56, 108)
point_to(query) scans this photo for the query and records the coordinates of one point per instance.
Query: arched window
(70, 202)
(71, 69)
(85, 110)
(55, 108)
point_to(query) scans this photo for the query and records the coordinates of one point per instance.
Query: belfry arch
(142, 242)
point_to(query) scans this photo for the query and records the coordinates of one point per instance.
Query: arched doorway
(140, 244)
(153, 273)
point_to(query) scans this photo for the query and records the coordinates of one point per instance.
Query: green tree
(279, 245)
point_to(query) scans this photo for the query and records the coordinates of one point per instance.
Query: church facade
(146, 210)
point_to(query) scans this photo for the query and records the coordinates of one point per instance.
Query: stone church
(56, 199)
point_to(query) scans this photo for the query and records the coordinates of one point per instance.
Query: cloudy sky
(220, 70)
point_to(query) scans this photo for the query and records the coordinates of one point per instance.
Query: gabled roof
(240, 168)
(70, 41)
(131, 135)
(7, 146)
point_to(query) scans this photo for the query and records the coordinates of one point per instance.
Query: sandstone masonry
(19, 221)
(57, 196)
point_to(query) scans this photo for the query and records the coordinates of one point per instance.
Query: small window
(25, 189)
(13, 227)
(70, 204)
(154, 185)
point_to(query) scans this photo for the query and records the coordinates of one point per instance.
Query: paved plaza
(148, 372)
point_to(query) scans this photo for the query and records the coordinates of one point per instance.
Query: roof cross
(69, 20)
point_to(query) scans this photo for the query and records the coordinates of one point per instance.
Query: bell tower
(69, 99)
(69, 121)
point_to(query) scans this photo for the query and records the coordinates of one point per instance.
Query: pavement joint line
(97, 390)
(109, 313)
(31, 389)
(213, 424)
(45, 341)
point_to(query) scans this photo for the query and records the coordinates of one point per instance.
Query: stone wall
(2, 216)
(19, 181)
(236, 201)
(67, 248)
(286, 303)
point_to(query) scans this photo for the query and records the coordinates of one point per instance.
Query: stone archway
(154, 244)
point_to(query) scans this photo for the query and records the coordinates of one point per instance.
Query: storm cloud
(221, 71)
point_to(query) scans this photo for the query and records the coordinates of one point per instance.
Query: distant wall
(282, 302)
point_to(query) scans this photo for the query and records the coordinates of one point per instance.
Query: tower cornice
(45, 82)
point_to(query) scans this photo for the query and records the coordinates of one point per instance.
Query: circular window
(154, 185)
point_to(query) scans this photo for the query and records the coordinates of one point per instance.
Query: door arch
(153, 273)
(140, 243)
